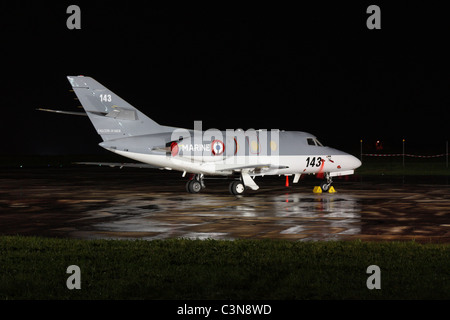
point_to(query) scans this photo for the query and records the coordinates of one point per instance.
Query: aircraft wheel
(325, 186)
(188, 186)
(193, 186)
(237, 187)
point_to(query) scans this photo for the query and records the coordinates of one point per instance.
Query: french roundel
(174, 149)
(217, 147)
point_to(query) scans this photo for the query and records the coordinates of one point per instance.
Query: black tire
(236, 187)
(325, 186)
(188, 186)
(195, 186)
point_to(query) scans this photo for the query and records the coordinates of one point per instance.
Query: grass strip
(35, 268)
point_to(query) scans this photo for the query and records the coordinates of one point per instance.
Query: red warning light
(379, 145)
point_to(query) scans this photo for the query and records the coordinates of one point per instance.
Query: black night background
(314, 68)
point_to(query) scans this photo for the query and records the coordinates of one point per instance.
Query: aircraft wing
(119, 164)
(254, 168)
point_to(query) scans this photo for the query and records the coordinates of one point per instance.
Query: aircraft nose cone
(354, 162)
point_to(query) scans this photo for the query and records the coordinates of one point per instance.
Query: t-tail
(112, 117)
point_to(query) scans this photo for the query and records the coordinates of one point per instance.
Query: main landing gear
(196, 184)
(236, 187)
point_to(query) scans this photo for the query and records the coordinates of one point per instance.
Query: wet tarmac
(112, 203)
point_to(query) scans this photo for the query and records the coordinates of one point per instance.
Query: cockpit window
(314, 142)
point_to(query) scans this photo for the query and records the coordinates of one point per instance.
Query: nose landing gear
(326, 184)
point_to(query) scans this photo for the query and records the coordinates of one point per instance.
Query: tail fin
(111, 116)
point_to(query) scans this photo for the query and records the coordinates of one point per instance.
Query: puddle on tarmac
(290, 215)
(116, 204)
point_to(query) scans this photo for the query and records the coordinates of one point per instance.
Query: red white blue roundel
(217, 147)
(174, 149)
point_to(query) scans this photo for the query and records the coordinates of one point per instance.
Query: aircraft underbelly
(282, 164)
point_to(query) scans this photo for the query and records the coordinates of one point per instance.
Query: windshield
(313, 142)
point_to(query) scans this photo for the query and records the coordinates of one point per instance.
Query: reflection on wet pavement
(109, 203)
(292, 216)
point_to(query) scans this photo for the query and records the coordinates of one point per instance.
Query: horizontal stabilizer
(63, 112)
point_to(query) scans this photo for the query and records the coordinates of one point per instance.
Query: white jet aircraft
(242, 154)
